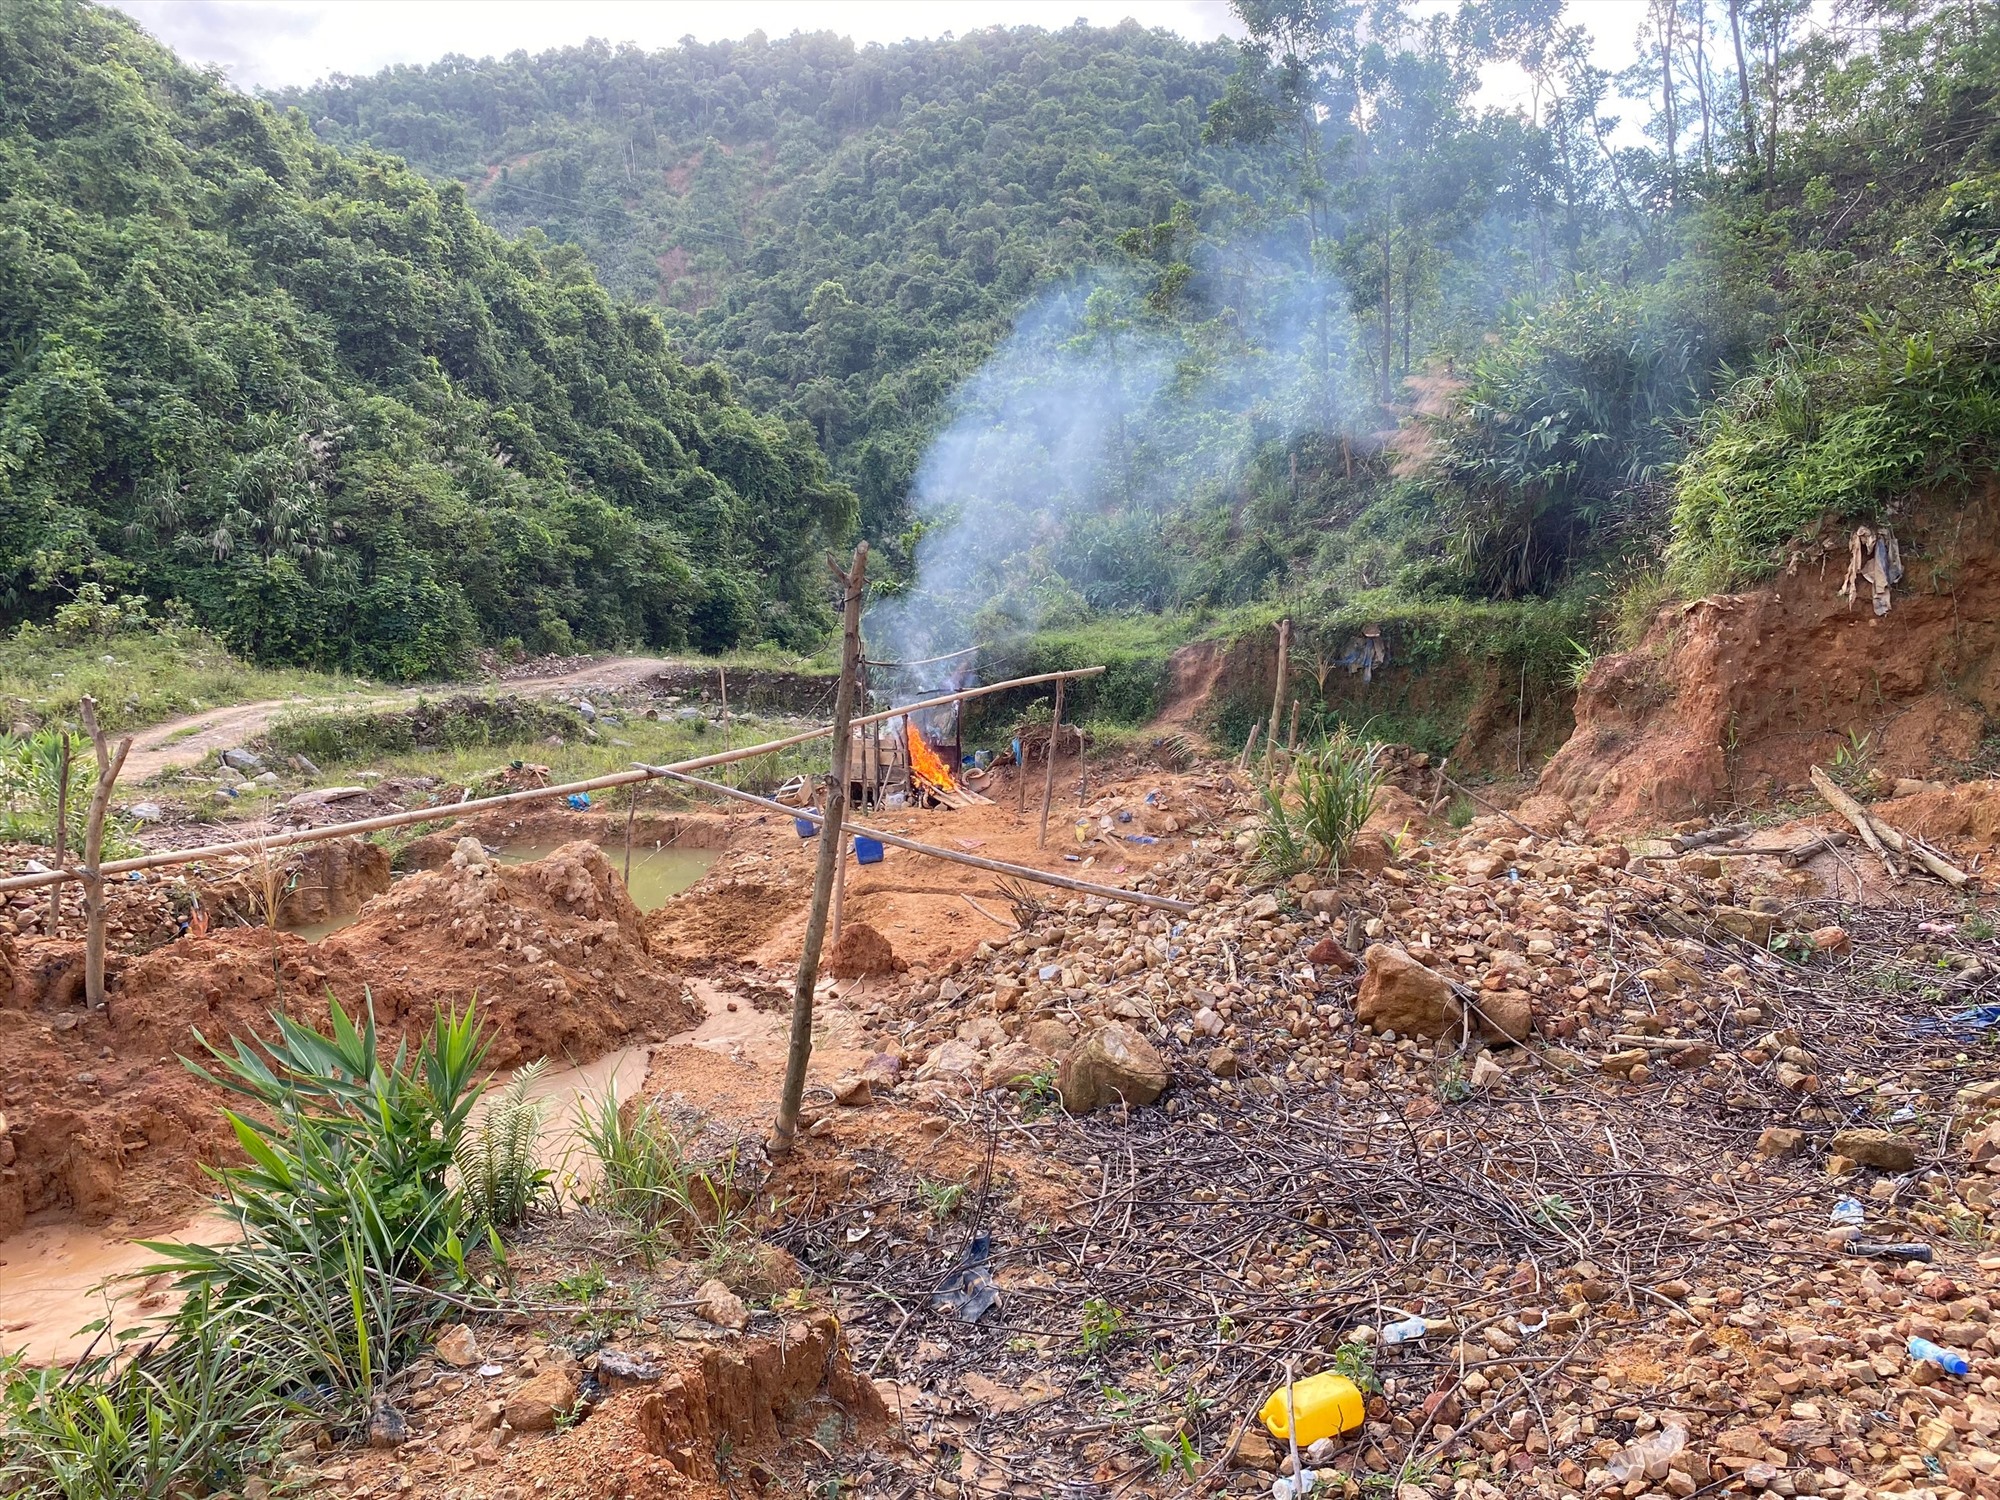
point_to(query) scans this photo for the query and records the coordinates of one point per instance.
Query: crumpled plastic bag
(1649, 1456)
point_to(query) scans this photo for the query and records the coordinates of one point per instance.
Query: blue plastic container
(867, 851)
(806, 826)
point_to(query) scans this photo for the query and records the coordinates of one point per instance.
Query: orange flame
(926, 765)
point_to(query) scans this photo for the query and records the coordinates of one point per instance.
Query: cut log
(1880, 837)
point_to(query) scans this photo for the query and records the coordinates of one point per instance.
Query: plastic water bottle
(1923, 1351)
(1406, 1331)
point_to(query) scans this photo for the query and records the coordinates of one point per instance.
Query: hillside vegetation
(1073, 325)
(312, 397)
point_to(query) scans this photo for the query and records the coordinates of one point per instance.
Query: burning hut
(919, 754)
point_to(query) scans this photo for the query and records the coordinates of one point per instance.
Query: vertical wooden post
(1278, 693)
(1292, 739)
(722, 675)
(109, 763)
(1049, 780)
(831, 842)
(1249, 748)
(840, 892)
(61, 831)
(631, 810)
(1021, 778)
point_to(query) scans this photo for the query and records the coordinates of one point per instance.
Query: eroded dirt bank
(1731, 699)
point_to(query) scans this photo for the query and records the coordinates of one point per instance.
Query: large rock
(1015, 1066)
(1505, 1015)
(1399, 994)
(1876, 1148)
(546, 1398)
(1114, 1063)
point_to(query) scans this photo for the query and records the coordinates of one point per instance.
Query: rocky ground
(1671, 1152)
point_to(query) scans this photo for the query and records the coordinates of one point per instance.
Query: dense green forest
(1126, 323)
(312, 397)
(1086, 323)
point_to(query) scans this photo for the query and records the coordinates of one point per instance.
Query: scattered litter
(1875, 559)
(970, 1291)
(147, 812)
(489, 1371)
(1883, 1251)
(1647, 1457)
(1923, 1351)
(1405, 1330)
(1847, 1213)
(1326, 1405)
(577, 801)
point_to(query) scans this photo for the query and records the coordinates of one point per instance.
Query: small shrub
(1101, 1326)
(647, 1175)
(1334, 790)
(496, 1158)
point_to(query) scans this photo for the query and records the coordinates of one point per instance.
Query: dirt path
(180, 742)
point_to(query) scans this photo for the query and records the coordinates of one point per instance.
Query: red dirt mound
(862, 951)
(1732, 699)
(101, 1118)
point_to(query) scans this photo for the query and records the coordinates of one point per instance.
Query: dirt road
(180, 742)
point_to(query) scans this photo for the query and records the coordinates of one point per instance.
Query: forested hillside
(312, 397)
(852, 231)
(1093, 322)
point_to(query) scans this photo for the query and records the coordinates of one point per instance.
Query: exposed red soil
(102, 1120)
(862, 951)
(751, 908)
(1731, 699)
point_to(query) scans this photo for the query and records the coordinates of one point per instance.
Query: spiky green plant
(337, 1118)
(497, 1171)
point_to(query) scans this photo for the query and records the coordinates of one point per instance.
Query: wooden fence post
(109, 763)
(1278, 694)
(831, 842)
(63, 753)
(1049, 780)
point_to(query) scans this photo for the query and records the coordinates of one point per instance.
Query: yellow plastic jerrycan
(1327, 1405)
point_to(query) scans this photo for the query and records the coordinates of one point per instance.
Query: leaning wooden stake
(1049, 779)
(1278, 693)
(1249, 748)
(109, 763)
(831, 841)
(1292, 735)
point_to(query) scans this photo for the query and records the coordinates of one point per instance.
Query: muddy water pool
(658, 873)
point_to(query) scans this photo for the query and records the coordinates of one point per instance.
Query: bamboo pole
(1049, 779)
(1856, 814)
(976, 692)
(950, 856)
(1278, 694)
(832, 843)
(62, 832)
(109, 763)
(504, 799)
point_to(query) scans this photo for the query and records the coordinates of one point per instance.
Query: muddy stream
(58, 1276)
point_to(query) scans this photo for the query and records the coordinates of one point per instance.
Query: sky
(276, 43)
